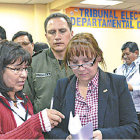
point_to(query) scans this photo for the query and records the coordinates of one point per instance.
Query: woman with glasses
(16, 112)
(98, 97)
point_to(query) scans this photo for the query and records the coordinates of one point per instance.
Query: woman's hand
(69, 137)
(97, 135)
(55, 117)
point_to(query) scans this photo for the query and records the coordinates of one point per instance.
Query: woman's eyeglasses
(17, 70)
(85, 65)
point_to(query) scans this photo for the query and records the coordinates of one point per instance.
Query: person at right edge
(131, 70)
(98, 97)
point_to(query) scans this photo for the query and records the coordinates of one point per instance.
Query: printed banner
(104, 18)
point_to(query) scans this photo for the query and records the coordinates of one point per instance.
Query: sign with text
(104, 18)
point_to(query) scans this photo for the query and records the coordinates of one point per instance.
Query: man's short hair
(58, 15)
(40, 46)
(2, 33)
(131, 45)
(21, 33)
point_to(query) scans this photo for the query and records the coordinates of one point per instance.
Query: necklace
(15, 103)
(14, 100)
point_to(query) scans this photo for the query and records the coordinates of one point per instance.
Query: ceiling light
(101, 2)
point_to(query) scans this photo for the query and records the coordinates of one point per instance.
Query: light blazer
(133, 78)
(116, 113)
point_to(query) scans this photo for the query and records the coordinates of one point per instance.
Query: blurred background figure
(2, 33)
(40, 46)
(25, 40)
(131, 70)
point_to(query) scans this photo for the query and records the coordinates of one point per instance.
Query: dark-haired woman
(16, 112)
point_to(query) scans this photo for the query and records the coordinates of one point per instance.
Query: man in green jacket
(47, 66)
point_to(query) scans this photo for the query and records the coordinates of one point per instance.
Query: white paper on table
(76, 129)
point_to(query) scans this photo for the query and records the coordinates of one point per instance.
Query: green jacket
(42, 78)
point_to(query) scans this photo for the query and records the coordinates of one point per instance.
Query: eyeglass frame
(82, 65)
(17, 71)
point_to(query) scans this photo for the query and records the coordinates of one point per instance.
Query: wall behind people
(16, 17)
(111, 28)
(111, 41)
